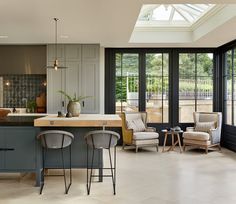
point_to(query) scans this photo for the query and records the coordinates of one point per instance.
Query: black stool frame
(112, 168)
(44, 151)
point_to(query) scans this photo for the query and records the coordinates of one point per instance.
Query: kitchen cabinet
(19, 149)
(80, 78)
(2, 152)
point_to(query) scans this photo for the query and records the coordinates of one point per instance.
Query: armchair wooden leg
(157, 147)
(184, 147)
(206, 149)
(123, 146)
(219, 147)
(136, 149)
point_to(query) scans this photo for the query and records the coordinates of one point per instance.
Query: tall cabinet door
(90, 78)
(73, 73)
(55, 100)
(55, 80)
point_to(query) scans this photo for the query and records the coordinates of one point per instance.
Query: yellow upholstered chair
(135, 131)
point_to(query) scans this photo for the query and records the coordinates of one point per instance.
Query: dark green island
(20, 151)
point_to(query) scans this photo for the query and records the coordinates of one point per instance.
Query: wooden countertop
(84, 120)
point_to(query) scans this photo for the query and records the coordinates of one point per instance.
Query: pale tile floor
(147, 177)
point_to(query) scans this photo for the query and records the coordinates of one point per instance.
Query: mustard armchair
(135, 131)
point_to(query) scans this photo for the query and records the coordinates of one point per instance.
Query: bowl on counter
(4, 113)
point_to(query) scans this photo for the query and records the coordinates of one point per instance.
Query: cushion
(204, 126)
(196, 136)
(145, 142)
(197, 142)
(145, 135)
(137, 125)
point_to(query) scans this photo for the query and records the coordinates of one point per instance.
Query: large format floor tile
(146, 177)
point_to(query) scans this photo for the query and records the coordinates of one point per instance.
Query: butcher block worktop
(84, 120)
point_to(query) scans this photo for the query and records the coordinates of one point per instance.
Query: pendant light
(56, 63)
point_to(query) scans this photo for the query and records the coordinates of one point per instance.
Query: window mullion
(196, 92)
(232, 89)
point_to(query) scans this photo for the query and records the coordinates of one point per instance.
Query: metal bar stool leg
(91, 174)
(112, 175)
(115, 169)
(42, 172)
(67, 187)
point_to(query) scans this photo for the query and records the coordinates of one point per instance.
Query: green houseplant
(73, 106)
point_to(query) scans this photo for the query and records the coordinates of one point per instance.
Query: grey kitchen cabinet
(19, 149)
(2, 148)
(21, 144)
(55, 82)
(90, 78)
(80, 78)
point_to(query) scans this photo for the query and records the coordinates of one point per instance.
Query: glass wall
(157, 87)
(230, 87)
(127, 82)
(195, 84)
(156, 84)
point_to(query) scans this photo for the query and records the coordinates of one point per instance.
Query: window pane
(186, 64)
(205, 88)
(165, 64)
(186, 109)
(228, 62)
(127, 82)
(229, 112)
(157, 87)
(204, 105)
(205, 64)
(195, 84)
(154, 64)
(229, 87)
(235, 61)
(187, 88)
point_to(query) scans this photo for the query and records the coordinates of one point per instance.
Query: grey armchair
(207, 131)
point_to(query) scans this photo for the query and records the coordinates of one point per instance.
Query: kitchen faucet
(26, 101)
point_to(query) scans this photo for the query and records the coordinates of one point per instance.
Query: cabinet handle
(63, 103)
(83, 103)
(7, 149)
(10, 149)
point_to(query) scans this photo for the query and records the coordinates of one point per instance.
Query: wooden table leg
(163, 149)
(180, 147)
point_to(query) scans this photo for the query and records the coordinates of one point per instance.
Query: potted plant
(31, 106)
(73, 106)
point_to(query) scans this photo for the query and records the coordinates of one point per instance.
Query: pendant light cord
(56, 19)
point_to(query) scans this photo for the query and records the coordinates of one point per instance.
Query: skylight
(172, 14)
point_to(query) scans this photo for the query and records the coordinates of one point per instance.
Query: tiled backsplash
(17, 88)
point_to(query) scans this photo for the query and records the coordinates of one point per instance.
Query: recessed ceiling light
(3, 36)
(64, 36)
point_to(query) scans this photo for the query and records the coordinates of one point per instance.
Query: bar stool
(56, 139)
(101, 139)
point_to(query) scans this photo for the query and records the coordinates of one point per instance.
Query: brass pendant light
(56, 63)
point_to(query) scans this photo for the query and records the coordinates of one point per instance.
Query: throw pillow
(137, 125)
(204, 126)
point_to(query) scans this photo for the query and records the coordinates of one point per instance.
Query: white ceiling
(108, 22)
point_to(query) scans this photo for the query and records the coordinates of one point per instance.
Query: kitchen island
(20, 151)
